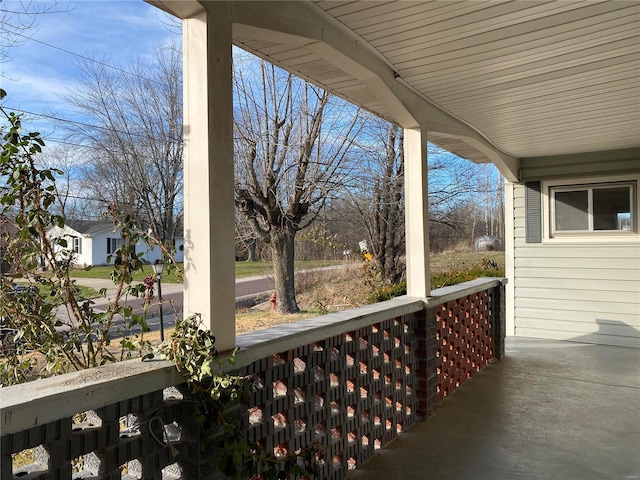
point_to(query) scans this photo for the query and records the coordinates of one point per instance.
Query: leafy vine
(47, 326)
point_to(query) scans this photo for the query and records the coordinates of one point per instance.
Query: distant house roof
(89, 227)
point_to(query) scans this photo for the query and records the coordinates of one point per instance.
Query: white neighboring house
(94, 240)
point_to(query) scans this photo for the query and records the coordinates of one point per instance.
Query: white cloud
(40, 70)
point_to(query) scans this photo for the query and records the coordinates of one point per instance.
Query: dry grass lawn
(332, 291)
(344, 289)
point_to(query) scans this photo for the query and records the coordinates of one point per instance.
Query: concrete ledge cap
(43, 401)
(453, 292)
(264, 343)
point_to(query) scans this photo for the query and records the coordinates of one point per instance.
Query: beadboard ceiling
(536, 78)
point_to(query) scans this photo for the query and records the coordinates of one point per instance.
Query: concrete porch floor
(549, 410)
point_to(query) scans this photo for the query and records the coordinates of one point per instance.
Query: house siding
(68, 234)
(584, 289)
(94, 246)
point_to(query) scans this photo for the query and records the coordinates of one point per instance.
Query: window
(77, 244)
(607, 207)
(113, 244)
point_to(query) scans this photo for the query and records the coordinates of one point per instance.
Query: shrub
(484, 268)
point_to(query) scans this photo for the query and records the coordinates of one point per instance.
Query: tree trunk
(282, 251)
(251, 249)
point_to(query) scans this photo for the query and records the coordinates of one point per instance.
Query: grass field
(443, 262)
(173, 275)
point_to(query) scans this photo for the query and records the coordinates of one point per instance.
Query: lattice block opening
(256, 415)
(364, 368)
(320, 429)
(280, 420)
(29, 462)
(279, 389)
(299, 365)
(281, 450)
(298, 395)
(300, 425)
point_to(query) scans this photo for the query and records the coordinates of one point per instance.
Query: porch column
(510, 253)
(209, 256)
(416, 212)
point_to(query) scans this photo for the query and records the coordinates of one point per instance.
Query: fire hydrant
(272, 299)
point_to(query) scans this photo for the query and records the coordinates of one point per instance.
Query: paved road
(253, 285)
(172, 293)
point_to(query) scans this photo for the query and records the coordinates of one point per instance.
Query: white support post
(416, 212)
(209, 257)
(510, 252)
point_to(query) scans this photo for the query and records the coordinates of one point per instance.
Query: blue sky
(37, 71)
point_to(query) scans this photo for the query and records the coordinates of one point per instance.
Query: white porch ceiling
(526, 78)
(536, 78)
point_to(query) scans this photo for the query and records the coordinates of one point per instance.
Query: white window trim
(77, 245)
(591, 237)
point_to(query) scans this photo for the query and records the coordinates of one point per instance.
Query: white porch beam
(180, 8)
(308, 26)
(508, 165)
(209, 257)
(416, 212)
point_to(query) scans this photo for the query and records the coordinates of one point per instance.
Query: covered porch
(549, 409)
(547, 92)
(538, 89)
(361, 383)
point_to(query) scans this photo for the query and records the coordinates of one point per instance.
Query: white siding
(99, 246)
(67, 233)
(94, 247)
(587, 290)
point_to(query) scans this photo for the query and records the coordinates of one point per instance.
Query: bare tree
(500, 207)
(132, 129)
(292, 140)
(457, 192)
(246, 241)
(378, 196)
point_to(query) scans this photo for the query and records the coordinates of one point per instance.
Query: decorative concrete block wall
(352, 381)
(352, 392)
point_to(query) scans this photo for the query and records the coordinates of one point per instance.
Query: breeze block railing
(352, 380)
